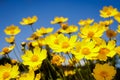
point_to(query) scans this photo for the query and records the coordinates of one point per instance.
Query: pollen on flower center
(104, 51)
(90, 34)
(85, 51)
(103, 74)
(34, 58)
(65, 45)
(6, 75)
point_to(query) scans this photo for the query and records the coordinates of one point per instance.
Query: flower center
(90, 34)
(34, 58)
(103, 74)
(56, 41)
(85, 51)
(104, 51)
(65, 45)
(6, 75)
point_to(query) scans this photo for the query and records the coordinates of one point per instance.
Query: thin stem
(16, 55)
(77, 69)
(32, 28)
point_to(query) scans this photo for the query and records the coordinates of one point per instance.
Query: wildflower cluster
(70, 53)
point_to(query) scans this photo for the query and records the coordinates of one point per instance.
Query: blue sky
(12, 12)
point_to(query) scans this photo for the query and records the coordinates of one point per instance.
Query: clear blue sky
(12, 12)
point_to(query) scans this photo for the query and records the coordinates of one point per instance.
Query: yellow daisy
(10, 40)
(104, 72)
(85, 49)
(108, 11)
(8, 71)
(57, 59)
(59, 20)
(29, 20)
(43, 31)
(34, 59)
(91, 31)
(7, 50)
(70, 29)
(106, 50)
(61, 43)
(86, 22)
(12, 30)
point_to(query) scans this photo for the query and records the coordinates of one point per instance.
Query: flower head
(29, 20)
(34, 59)
(85, 49)
(61, 43)
(111, 33)
(12, 30)
(8, 71)
(106, 50)
(10, 40)
(43, 31)
(104, 72)
(7, 50)
(91, 31)
(86, 22)
(57, 59)
(108, 11)
(59, 20)
(70, 29)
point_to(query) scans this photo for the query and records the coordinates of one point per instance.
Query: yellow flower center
(5, 50)
(85, 51)
(34, 58)
(65, 45)
(6, 75)
(56, 41)
(90, 34)
(104, 51)
(103, 74)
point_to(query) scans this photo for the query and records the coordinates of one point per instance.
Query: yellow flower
(39, 42)
(8, 71)
(108, 11)
(104, 72)
(10, 40)
(61, 43)
(106, 22)
(118, 29)
(91, 32)
(43, 31)
(57, 59)
(117, 17)
(34, 59)
(69, 72)
(85, 49)
(29, 20)
(117, 49)
(106, 50)
(111, 33)
(29, 76)
(7, 50)
(12, 30)
(58, 20)
(34, 36)
(86, 22)
(70, 29)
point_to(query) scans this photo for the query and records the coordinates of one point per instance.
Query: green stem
(77, 69)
